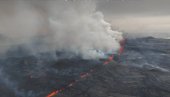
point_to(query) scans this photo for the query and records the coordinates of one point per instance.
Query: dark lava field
(143, 70)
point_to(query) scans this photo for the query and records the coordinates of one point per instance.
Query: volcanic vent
(50, 45)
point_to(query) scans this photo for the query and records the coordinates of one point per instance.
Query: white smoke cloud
(72, 26)
(142, 26)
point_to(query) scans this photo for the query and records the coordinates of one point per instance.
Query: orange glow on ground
(122, 44)
(84, 75)
(53, 93)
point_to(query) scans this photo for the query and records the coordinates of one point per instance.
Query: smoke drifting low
(74, 27)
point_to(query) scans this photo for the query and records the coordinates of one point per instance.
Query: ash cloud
(72, 26)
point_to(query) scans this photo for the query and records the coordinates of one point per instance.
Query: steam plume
(72, 26)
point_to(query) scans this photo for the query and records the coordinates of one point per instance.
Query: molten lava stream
(111, 58)
(122, 45)
(84, 75)
(53, 93)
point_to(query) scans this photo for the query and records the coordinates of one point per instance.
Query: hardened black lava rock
(143, 70)
(25, 75)
(116, 80)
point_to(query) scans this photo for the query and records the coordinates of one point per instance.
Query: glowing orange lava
(53, 93)
(122, 44)
(84, 75)
(111, 58)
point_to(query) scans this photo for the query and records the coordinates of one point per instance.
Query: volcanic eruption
(73, 27)
(51, 45)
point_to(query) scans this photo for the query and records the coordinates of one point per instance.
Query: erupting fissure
(122, 45)
(85, 75)
(53, 93)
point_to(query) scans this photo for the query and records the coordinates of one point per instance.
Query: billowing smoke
(73, 26)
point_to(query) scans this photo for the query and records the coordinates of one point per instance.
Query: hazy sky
(144, 17)
(135, 17)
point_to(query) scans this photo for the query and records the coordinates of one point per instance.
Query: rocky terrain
(141, 71)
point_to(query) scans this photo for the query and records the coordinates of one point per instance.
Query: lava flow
(85, 75)
(53, 93)
(111, 58)
(122, 45)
